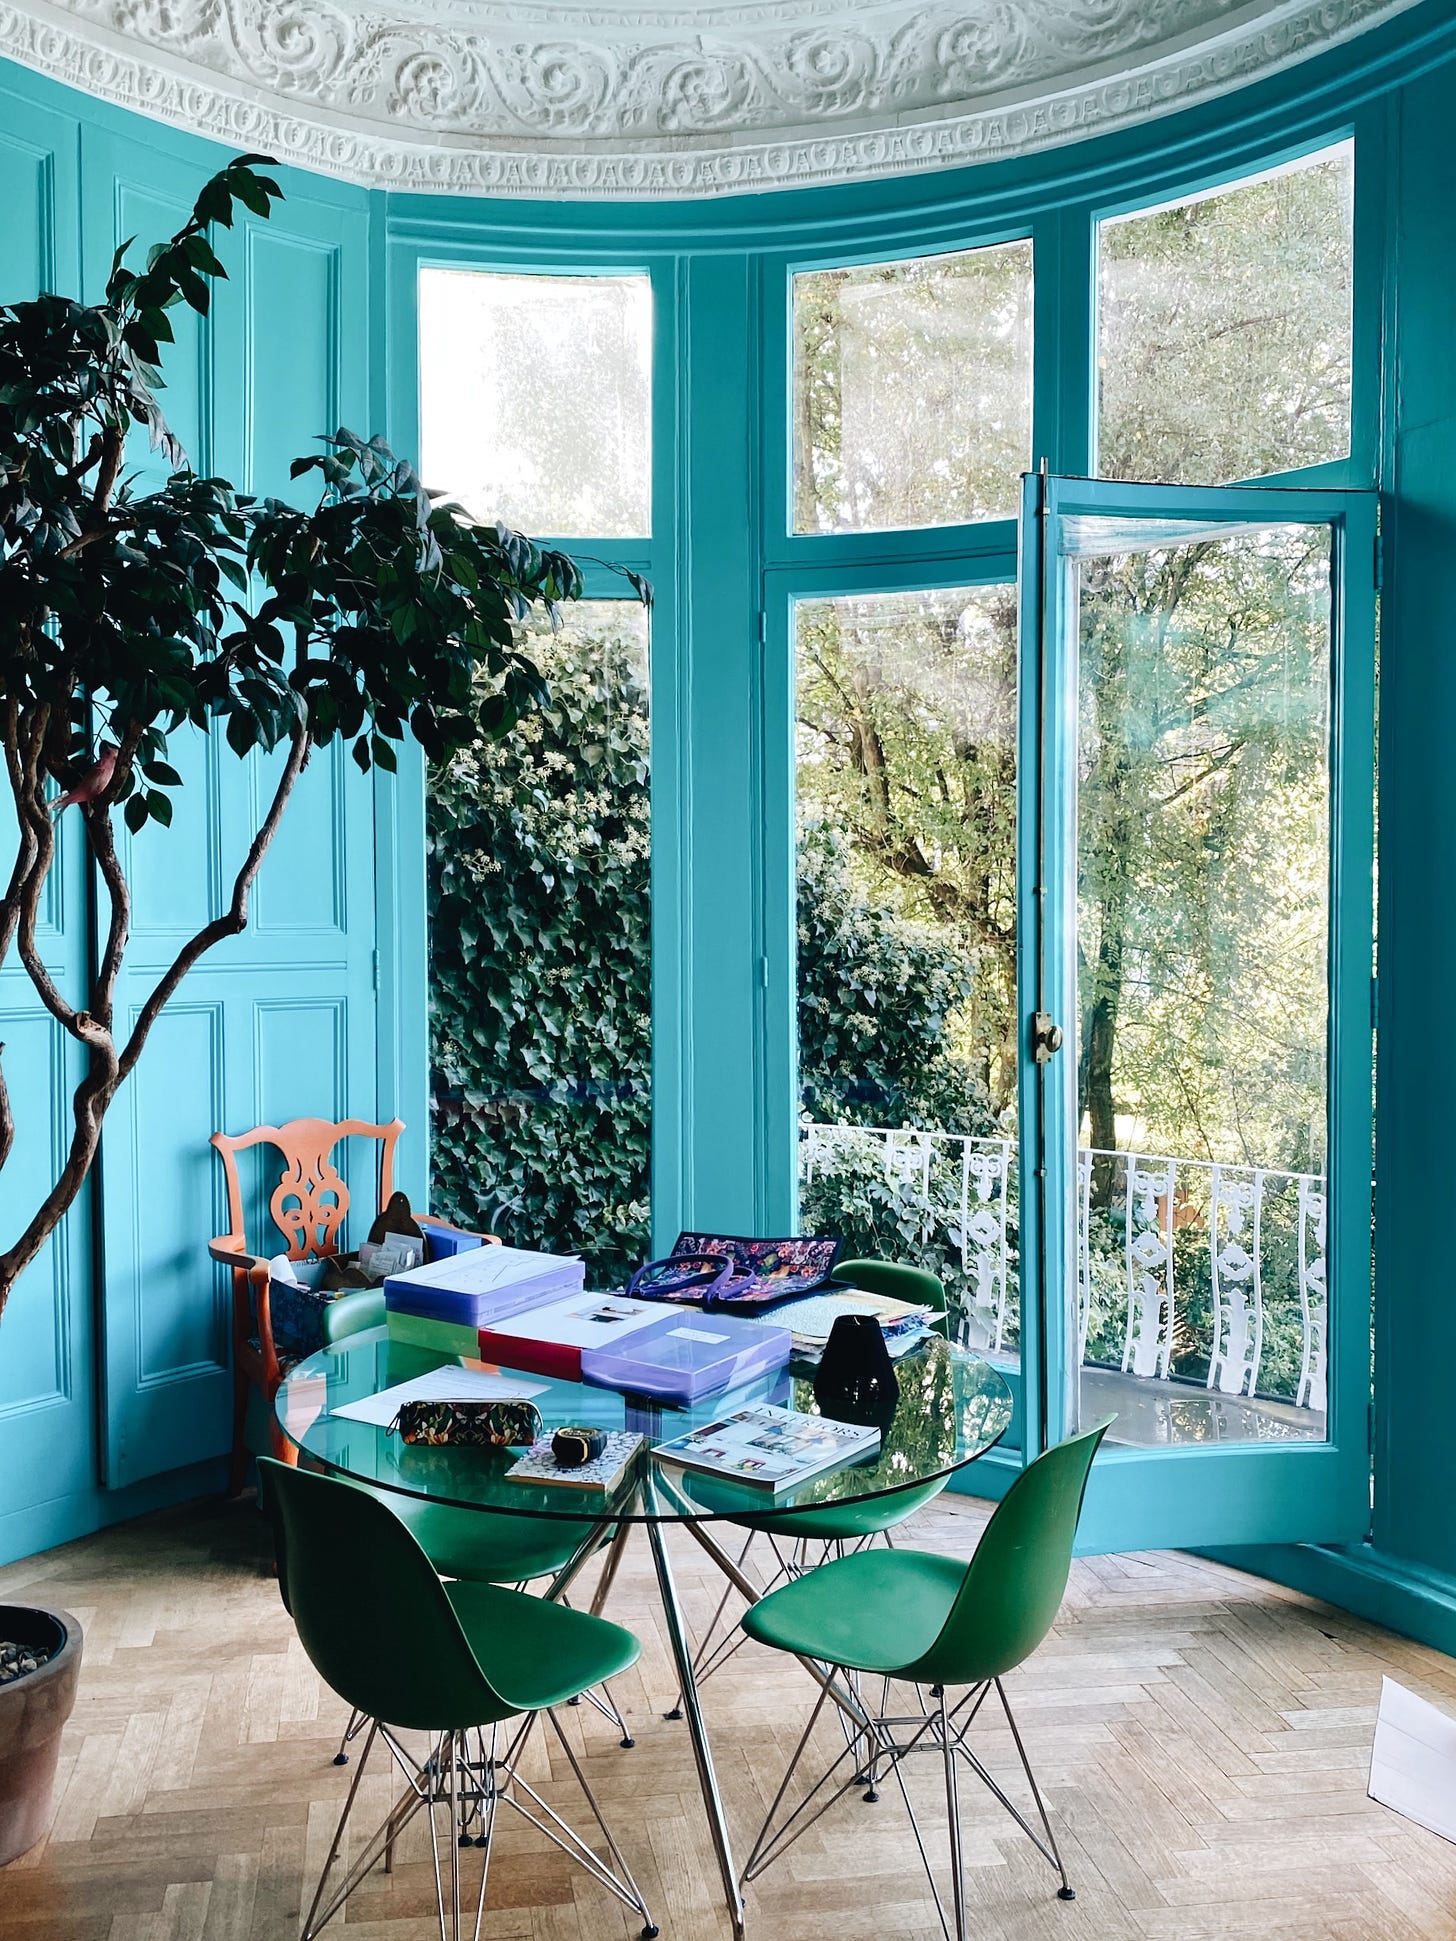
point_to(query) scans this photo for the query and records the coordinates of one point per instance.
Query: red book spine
(555, 1359)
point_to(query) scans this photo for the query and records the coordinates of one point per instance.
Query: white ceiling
(552, 97)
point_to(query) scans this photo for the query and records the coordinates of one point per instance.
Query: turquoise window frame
(408, 255)
(726, 564)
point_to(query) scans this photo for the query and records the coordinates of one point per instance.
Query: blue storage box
(445, 1241)
(686, 1355)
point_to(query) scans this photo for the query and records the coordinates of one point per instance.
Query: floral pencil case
(468, 1425)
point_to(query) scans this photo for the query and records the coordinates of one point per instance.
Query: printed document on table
(440, 1385)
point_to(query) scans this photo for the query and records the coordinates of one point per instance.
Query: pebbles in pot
(18, 1659)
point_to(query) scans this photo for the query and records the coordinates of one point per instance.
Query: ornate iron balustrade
(1149, 1227)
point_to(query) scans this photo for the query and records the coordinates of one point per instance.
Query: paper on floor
(440, 1385)
(1413, 1763)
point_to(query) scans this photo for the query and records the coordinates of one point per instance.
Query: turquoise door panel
(47, 1374)
(1207, 1493)
(278, 1022)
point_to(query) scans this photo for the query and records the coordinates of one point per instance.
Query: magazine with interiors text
(769, 1447)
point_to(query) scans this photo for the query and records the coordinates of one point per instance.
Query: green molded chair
(455, 1660)
(842, 1528)
(478, 1546)
(933, 1622)
(486, 1547)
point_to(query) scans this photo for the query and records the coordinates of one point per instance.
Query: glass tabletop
(953, 1406)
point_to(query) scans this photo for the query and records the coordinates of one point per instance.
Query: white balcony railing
(1142, 1218)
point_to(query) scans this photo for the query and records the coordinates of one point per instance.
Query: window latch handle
(1046, 1037)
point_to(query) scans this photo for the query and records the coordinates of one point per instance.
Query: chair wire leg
(403, 1811)
(608, 1707)
(357, 1722)
(773, 1842)
(1066, 1892)
(953, 1820)
(706, 1660)
(338, 1840)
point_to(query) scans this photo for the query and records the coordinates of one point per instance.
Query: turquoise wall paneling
(47, 1375)
(279, 1022)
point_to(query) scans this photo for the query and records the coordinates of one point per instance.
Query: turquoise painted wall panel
(150, 218)
(292, 362)
(177, 872)
(26, 184)
(36, 1368)
(47, 1363)
(277, 1022)
(305, 889)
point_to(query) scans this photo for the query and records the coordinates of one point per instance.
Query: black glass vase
(856, 1380)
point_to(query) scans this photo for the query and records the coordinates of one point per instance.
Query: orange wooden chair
(309, 1205)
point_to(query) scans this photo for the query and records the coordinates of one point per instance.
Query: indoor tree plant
(129, 613)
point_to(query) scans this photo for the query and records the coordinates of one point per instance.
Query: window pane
(912, 390)
(540, 959)
(535, 399)
(1224, 330)
(906, 785)
(1203, 862)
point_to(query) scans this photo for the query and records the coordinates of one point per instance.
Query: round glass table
(953, 1406)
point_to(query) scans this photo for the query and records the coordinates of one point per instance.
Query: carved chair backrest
(311, 1199)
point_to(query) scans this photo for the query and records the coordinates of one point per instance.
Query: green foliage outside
(541, 965)
(541, 976)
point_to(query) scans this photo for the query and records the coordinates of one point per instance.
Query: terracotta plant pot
(33, 1710)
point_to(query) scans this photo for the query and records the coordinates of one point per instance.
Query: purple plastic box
(687, 1355)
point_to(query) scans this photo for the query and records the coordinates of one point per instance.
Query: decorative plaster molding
(531, 98)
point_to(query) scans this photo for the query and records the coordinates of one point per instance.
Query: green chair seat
(483, 1545)
(877, 1611)
(537, 1654)
(352, 1313)
(847, 1522)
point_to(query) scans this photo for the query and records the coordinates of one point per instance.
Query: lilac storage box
(687, 1355)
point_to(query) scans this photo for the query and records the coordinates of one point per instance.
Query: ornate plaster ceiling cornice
(556, 98)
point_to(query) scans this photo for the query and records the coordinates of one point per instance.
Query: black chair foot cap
(937, 1691)
(341, 1758)
(481, 1841)
(650, 1934)
(627, 1744)
(675, 1713)
(574, 1701)
(872, 1798)
(466, 1840)
(1066, 1893)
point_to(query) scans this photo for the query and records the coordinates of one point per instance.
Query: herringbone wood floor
(1202, 1737)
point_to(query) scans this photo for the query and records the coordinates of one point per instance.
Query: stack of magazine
(811, 1318)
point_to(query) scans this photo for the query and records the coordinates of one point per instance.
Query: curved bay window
(1007, 863)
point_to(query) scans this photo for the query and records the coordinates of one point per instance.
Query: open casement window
(1196, 865)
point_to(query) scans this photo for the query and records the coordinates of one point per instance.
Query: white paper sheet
(440, 1385)
(1413, 1762)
